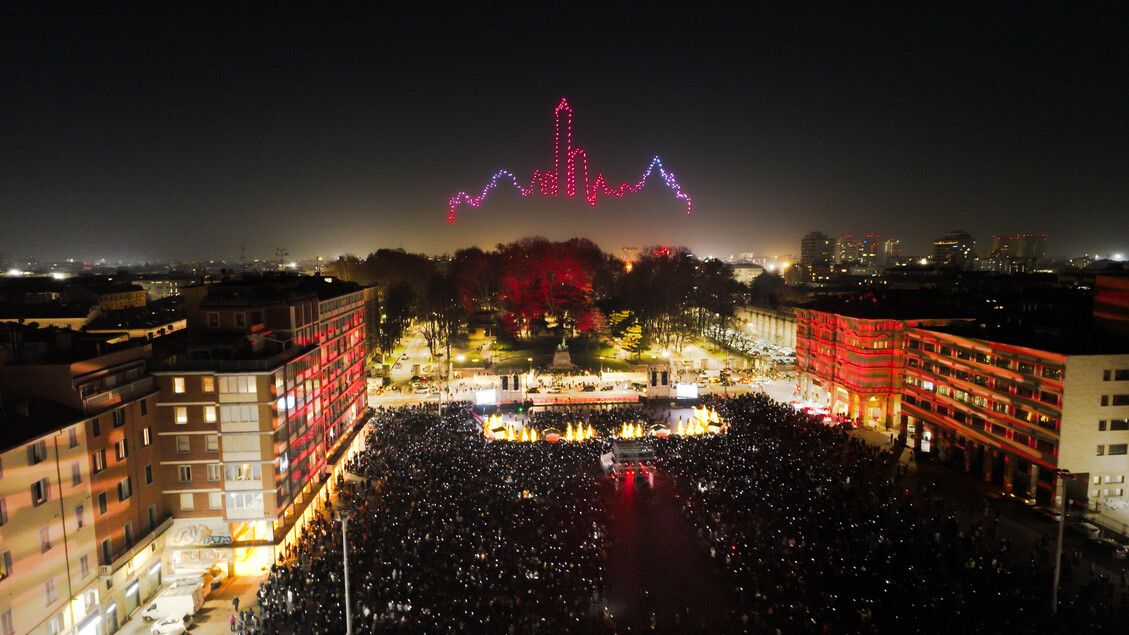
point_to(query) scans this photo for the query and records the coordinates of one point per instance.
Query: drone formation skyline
(198, 131)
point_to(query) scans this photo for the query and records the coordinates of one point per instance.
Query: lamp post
(344, 516)
(1060, 485)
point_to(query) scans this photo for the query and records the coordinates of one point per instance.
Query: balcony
(124, 556)
(108, 398)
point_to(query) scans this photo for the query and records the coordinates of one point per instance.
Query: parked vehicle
(1020, 497)
(1086, 529)
(175, 601)
(1112, 547)
(170, 626)
(1047, 513)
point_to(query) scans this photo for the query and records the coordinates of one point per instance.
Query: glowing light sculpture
(574, 177)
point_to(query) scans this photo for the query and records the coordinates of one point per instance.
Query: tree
(440, 315)
(546, 284)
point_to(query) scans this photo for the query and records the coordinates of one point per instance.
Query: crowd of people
(820, 532)
(811, 529)
(450, 533)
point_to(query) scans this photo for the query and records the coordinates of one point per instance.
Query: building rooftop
(27, 419)
(1064, 342)
(893, 305)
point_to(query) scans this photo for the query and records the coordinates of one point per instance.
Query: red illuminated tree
(547, 284)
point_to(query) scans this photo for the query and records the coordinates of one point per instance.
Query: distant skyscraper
(1030, 246)
(954, 249)
(892, 252)
(816, 253)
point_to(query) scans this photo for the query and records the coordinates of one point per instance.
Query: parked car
(169, 626)
(1114, 548)
(1047, 513)
(1086, 529)
(554, 390)
(588, 388)
(534, 390)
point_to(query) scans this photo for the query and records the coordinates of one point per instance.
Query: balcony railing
(113, 396)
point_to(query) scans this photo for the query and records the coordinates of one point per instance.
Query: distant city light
(1118, 257)
(15, 272)
(59, 275)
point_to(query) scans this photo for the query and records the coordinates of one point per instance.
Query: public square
(780, 524)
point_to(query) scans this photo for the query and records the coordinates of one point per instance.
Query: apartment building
(113, 397)
(255, 411)
(1019, 411)
(49, 580)
(240, 448)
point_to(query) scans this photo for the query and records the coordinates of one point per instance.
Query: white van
(178, 600)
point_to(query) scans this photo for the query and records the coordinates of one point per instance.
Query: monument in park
(561, 358)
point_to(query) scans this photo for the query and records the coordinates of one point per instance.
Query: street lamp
(1060, 485)
(344, 516)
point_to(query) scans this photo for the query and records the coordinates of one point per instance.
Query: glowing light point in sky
(570, 166)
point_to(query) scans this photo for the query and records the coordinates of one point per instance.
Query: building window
(1117, 400)
(7, 627)
(99, 461)
(183, 445)
(215, 500)
(178, 385)
(186, 502)
(209, 414)
(184, 473)
(1052, 373)
(125, 489)
(182, 414)
(214, 471)
(118, 417)
(84, 565)
(121, 448)
(95, 428)
(49, 589)
(243, 384)
(45, 539)
(1121, 375)
(76, 473)
(1119, 449)
(212, 442)
(152, 517)
(56, 625)
(37, 452)
(208, 384)
(72, 437)
(1101, 450)
(213, 320)
(40, 492)
(149, 474)
(3, 512)
(146, 437)
(103, 504)
(144, 407)
(241, 320)
(129, 537)
(239, 414)
(243, 472)
(80, 516)
(107, 552)
(1119, 424)
(5, 564)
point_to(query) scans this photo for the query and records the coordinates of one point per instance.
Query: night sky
(162, 130)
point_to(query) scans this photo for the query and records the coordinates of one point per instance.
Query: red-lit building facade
(852, 365)
(1017, 414)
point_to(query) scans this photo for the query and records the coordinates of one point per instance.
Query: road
(657, 565)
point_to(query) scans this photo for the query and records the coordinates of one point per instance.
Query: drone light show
(570, 168)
